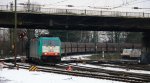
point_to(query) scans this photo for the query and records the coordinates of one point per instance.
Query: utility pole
(15, 33)
(81, 39)
(28, 5)
(95, 40)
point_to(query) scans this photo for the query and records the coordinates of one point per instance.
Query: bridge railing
(95, 13)
(3, 7)
(75, 12)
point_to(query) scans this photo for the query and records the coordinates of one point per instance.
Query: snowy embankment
(85, 57)
(25, 76)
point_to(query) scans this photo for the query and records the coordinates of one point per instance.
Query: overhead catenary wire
(106, 6)
(124, 4)
(130, 3)
(57, 2)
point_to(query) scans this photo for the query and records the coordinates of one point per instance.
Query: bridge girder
(74, 22)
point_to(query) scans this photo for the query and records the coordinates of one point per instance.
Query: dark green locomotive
(45, 49)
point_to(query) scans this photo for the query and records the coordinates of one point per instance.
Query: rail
(89, 72)
(80, 12)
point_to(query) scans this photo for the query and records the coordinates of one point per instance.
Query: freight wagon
(131, 53)
(82, 48)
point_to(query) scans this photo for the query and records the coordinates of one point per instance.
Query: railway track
(84, 72)
(114, 64)
(115, 73)
(125, 66)
(132, 67)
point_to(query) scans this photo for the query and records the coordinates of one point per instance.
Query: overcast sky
(121, 5)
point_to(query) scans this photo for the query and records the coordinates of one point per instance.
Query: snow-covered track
(114, 64)
(84, 72)
(112, 72)
(125, 66)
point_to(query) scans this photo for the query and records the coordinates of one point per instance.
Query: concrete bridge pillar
(145, 58)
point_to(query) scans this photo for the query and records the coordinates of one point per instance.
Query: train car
(45, 49)
(80, 48)
(131, 53)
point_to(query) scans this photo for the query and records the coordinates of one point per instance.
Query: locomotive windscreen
(51, 46)
(50, 43)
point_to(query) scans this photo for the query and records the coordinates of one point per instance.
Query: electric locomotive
(45, 49)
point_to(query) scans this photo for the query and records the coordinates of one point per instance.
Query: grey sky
(117, 5)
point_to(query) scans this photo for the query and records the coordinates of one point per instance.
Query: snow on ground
(114, 69)
(85, 57)
(11, 58)
(25, 76)
(77, 57)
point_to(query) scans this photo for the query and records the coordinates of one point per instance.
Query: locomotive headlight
(45, 53)
(56, 53)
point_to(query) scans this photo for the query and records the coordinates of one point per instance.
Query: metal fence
(82, 12)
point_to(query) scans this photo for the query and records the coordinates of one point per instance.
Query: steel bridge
(74, 19)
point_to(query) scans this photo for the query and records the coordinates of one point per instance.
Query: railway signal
(22, 35)
(69, 68)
